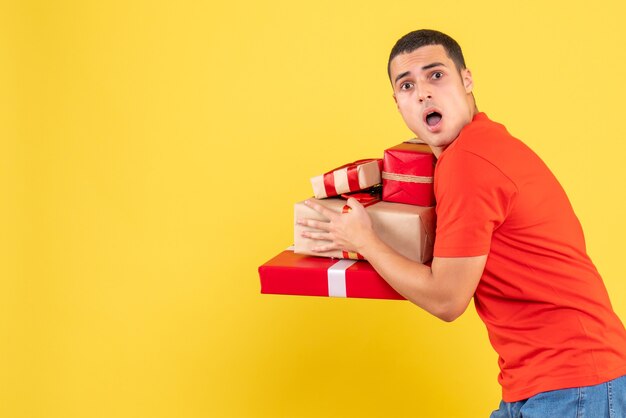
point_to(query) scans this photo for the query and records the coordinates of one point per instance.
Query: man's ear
(395, 100)
(468, 81)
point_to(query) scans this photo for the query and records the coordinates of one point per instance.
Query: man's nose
(423, 92)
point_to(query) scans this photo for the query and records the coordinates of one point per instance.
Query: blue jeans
(599, 401)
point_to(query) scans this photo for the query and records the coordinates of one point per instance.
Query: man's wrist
(371, 245)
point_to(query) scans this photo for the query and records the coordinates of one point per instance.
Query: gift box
(296, 274)
(408, 171)
(351, 177)
(408, 229)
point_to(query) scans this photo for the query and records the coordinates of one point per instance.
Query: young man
(507, 236)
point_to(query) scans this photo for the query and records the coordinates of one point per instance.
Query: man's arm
(444, 290)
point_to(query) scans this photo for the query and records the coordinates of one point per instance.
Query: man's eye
(437, 75)
(406, 86)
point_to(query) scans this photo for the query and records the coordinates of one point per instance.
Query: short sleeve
(473, 199)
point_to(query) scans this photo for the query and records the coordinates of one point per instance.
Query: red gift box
(296, 274)
(408, 171)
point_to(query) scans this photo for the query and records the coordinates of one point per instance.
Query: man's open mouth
(433, 118)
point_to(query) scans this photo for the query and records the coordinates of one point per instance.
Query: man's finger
(325, 236)
(321, 225)
(330, 214)
(353, 203)
(325, 248)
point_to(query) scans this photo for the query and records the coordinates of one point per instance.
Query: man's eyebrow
(433, 65)
(404, 74)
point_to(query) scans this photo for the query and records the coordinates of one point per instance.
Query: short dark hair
(423, 37)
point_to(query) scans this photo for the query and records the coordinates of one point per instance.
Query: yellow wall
(150, 156)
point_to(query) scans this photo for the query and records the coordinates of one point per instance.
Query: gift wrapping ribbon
(406, 178)
(352, 172)
(366, 200)
(337, 278)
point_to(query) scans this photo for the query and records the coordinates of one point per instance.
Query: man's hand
(350, 231)
(444, 290)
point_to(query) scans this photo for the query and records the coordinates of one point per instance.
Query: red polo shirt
(545, 306)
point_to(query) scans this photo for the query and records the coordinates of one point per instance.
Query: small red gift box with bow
(348, 178)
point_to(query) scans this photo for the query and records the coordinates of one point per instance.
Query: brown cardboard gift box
(408, 229)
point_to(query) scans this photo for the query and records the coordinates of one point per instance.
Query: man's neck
(438, 150)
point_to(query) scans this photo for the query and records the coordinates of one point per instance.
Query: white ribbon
(337, 278)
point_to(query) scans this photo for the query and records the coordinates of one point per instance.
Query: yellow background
(150, 156)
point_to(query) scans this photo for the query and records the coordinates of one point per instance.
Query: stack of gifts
(404, 219)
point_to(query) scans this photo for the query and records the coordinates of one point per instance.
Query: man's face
(434, 99)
